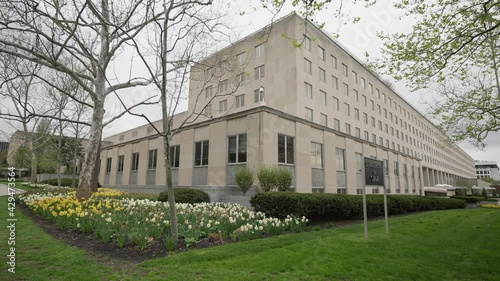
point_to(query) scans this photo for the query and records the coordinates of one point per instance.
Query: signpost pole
(365, 214)
(385, 209)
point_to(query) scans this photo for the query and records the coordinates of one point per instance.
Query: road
(4, 190)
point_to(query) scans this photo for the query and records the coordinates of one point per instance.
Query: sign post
(374, 175)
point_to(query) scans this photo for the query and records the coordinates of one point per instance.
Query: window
(324, 119)
(308, 90)
(259, 72)
(241, 58)
(237, 149)
(223, 106)
(372, 105)
(363, 83)
(356, 114)
(321, 53)
(135, 161)
(309, 114)
(347, 109)
(364, 100)
(336, 105)
(370, 87)
(356, 94)
(240, 101)
(344, 70)
(336, 124)
(385, 113)
(374, 138)
(365, 118)
(396, 170)
(347, 129)
(359, 162)
(286, 149)
(339, 153)
(108, 165)
(354, 76)
(208, 91)
(378, 93)
(175, 153)
(259, 50)
(379, 109)
(208, 110)
(380, 125)
(307, 43)
(209, 72)
(201, 153)
(258, 96)
(334, 62)
(335, 83)
(152, 159)
(223, 86)
(323, 97)
(358, 132)
(381, 141)
(316, 155)
(346, 89)
(307, 66)
(121, 160)
(322, 75)
(240, 79)
(367, 136)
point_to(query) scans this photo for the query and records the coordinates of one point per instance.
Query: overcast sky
(359, 38)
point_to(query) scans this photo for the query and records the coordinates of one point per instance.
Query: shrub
(330, 207)
(469, 199)
(64, 182)
(244, 179)
(186, 195)
(283, 179)
(484, 194)
(267, 178)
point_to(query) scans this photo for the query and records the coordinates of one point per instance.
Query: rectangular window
(259, 72)
(358, 132)
(370, 88)
(335, 83)
(307, 66)
(374, 138)
(324, 120)
(108, 165)
(340, 160)
(258, 96)
(237, 149)
(367, 136)
(135, 161)
(286, 149)
(356, 94)
(356, 114)
(347, 109)
(241, 58)
(240, 101)
(363, 83)
(379, 109)
(323, 98)
(322, 75)
(223, 106)
(308, 90)
(378, 93)
(336, 124)
(396, 169)
(307, 43)
(121, 160)
(259, 50)
(208, 92)
(223, 86)
(345, 71)
(347, 129)
(316, 155)
(152, 159)
(201, 153)
(240, 79)
(373, 122)
(346, 89)
(336, 105)
(372, 105)
(365, 118)
(309, 114)
(175, 153)
(364, 100)
(334, 62)
(380, 125)
(354, 76)
(321, 53)
(208, 110)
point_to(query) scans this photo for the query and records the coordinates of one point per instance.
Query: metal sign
(374, 172)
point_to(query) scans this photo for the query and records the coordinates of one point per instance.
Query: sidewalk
(4, 190)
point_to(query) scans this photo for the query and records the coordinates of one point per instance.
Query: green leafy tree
(22, 158)
(244, 179)
(455, 45)
(284, 179)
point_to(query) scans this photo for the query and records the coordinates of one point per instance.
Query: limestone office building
(314, 109)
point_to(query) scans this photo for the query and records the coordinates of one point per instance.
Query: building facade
(487, 169)
(289, 96)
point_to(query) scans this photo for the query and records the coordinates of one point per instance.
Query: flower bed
(45, 186)
(491, 206)
(130, 221)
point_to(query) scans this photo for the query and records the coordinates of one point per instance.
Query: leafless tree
(83, 40)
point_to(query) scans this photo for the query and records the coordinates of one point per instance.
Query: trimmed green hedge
(186, 195)
(330, 207)
(469, 199)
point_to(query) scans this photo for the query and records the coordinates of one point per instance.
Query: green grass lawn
(439, 245)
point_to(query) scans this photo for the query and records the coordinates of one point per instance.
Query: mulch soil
(97, 248)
